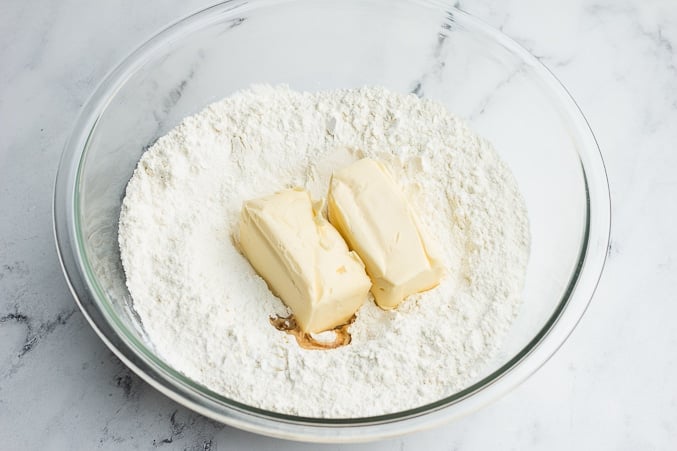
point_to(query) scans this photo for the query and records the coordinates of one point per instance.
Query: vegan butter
(373, 215)
(303, 259)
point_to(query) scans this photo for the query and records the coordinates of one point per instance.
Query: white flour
(207, 311)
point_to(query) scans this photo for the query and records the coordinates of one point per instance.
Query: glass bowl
(425, 47)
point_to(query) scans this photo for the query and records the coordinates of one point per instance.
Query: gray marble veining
(611, 386)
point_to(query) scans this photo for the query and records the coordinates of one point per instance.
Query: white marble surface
(613, 385)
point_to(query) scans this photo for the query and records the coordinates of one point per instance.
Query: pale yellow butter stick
(303, 259)
(373, 215)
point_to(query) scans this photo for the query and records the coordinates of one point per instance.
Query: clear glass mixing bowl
(425, 47)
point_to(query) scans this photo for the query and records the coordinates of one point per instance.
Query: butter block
(376, 220)
(303, 259)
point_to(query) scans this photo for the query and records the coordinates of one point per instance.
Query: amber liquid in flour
(305, 340)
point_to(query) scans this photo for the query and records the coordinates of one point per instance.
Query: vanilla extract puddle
(305, 340)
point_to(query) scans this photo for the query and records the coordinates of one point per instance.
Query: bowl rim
(98, 312)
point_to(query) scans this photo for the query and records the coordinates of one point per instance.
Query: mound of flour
(206, 310)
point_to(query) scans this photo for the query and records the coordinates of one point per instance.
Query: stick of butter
(303, 259)
(373, 215)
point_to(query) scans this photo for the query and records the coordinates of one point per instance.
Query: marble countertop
(613, 385)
